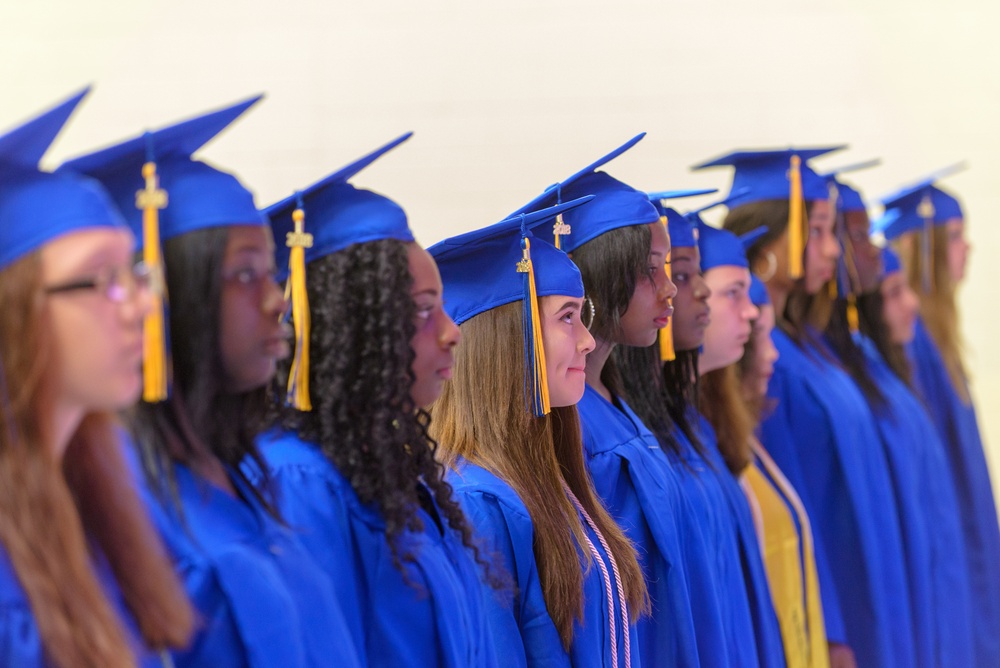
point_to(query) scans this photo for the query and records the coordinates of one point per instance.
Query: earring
(589, 304)
(772, 266)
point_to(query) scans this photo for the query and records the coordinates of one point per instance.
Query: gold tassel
(796, 233)
(667, 352)
(298, 376)
(154, 347)
(535, 347)
(852, 314)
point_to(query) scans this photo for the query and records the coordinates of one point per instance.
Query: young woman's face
(867, 259)
(822, 248)
(251, 335)
(958, 249)
(900, 307)
(732, 315)
(763, 353)
(567, 343)
(95, 307)
(691, 310)
(649, 310)
(436, 336)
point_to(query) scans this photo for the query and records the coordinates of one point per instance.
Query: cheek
(99, 364)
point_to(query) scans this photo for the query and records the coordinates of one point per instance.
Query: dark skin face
(691, 311)
(866, 258)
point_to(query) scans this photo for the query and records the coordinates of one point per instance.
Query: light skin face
(567, 344)
(732, 315)
(251, 336)
(958, 249)
(900, 307)
(97, 341)
(763, 353)
(822, 248)
(867, 259)
(649, 310)
(691, 310)
(436, 336)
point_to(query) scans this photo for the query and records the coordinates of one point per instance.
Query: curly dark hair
(200, 411)
(360, 377)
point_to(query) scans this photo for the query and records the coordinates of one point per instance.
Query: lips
(444, 373)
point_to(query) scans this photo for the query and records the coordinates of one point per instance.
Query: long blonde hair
(482, 416)
(48, 508)
(938, 308)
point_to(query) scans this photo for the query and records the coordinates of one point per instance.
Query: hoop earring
(772, 267)
(589, 304)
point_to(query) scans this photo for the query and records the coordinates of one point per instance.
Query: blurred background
(508, 97)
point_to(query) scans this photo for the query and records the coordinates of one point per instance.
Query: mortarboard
(758, 292)
(890, 262)
(615, 204)
(502, 264)
(339, 215)
(163, 192)
(720, 248)
(777, 175)
(37, 206)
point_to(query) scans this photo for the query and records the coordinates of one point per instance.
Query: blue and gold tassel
(154, 340)
(298, 240)
(796, 219)
(536, 377)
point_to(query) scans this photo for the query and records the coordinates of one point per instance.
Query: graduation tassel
(536, 376)
(666, 338)
(796, 219)
(154, 344)
(298, 241)
(559, 229)
(926, 211)
(852, 314)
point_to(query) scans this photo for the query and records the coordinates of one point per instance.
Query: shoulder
(478, 488)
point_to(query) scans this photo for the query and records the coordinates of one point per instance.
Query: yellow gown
(791, 572)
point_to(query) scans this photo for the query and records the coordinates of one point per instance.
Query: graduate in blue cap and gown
(260, 598)
(782, 522)
(350, 455)
(84, 579)
(663, 382)
(929, 519)
(927, 225)
(821, 432)
(510, 433)
(619, 234)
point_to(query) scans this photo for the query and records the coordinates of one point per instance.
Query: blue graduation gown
(261, 599)
(766, 630)
(929, 520)
(635, 481)
(823, 437)
(525, 634)
(437, 619)
(20, 637)
(956, 424)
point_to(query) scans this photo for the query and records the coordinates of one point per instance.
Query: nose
(585, 342)
(750, 311)
(668, 290)
(449, 334)
(273, 300)
(701, 290)
(832, 247)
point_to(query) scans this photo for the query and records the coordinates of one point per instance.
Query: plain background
(508, 97)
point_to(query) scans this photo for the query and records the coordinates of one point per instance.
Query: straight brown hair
(47, 511)
(722, 402)
(482, 416)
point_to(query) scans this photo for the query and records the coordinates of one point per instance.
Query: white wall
(507, 97)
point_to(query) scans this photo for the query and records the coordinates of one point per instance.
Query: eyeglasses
(116, 283)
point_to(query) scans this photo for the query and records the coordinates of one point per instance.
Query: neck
(65, 421)
(595, 365)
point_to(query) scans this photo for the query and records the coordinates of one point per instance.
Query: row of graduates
(585, 435)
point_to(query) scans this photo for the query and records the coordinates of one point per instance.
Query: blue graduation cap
(680, 230)
(615, 205)
(163, 193)
(194, 196)
(505, 263)
(339, 215)
(848, 197)
(758, 292)
(776, 175)
(720, 248)
(890, 262)
(921, 204)
(36, 206)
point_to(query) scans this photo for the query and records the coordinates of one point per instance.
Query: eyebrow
(429, 291)
(572, 305)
